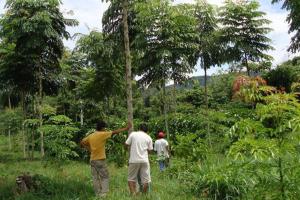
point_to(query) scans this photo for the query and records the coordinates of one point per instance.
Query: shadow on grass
(6, 157)
(13, 157)
(46, 188)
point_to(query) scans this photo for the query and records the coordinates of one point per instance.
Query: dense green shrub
(189, 123)
(58, 135)
(200, 122)
(283, 76)
(10, 119)
(223, 181)
(115, 148)
(190, 148)
(220, 86)
(194, 96)
(10, 125)
(268, 146)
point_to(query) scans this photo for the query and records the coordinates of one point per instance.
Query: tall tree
(99, 53)
(245, 30)
(108, 78)
(167, 37)
(116, 26)
(293, 6)
(37, 28)
(127, 64)
(209, 46)
(7, 88)
(10, 122)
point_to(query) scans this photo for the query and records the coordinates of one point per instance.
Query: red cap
(161, 135)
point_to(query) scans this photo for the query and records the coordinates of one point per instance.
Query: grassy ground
(72, 180)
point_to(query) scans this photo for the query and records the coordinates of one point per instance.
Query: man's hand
(129, 125)
(82, 144)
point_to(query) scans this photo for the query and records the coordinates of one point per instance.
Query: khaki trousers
(100, 177)
(139, 169)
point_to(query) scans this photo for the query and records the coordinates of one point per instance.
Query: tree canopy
(293, 6)
(245, 32)
(34, 33)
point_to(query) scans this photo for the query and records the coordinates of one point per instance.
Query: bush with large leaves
(59, 133)
(268, 145)
(283, 76)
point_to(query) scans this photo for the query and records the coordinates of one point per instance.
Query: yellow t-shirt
(96, 144)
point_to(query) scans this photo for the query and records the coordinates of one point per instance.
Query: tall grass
(72, 180)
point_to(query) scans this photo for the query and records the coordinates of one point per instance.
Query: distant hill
(190, 83)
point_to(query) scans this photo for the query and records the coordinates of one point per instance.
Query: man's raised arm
(129, 125)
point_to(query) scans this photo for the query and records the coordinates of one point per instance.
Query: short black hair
(100, 125)
(144, 127)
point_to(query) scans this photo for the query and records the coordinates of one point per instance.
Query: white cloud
(215, 2)
(279, 35)
(87, 12)
(278, 22)
(2, 3)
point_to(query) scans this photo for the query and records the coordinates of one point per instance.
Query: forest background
(234, 134)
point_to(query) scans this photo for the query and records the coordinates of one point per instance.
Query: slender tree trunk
(9, 128)
(28, 147)
(206, 102)
(32, 145)
(35, 110)
(40, 109)
(24, 141)
(247, 66)
(128, 64)
(9, 139)
(108, 105)
(24, 117)
(161, 100)
(9, 102)
(165, 109)
(174, 96)
(205, 87)
(81, 113)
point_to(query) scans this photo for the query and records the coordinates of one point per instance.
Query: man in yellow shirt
(95, 143)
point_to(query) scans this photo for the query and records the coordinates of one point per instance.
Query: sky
(89, 14)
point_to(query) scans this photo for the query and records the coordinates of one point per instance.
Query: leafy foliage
(225, 181)
(108, 79)
(115, 147)
(210, 49)
(245, 32)
(35, 30)
(59, 133)
(190, 147)
(194, 96)
(254, 142)
(167, 53)
(293, 7)
(251, 90)
(220, 86)
(283, 76)
(11, 119)
(271, 141)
